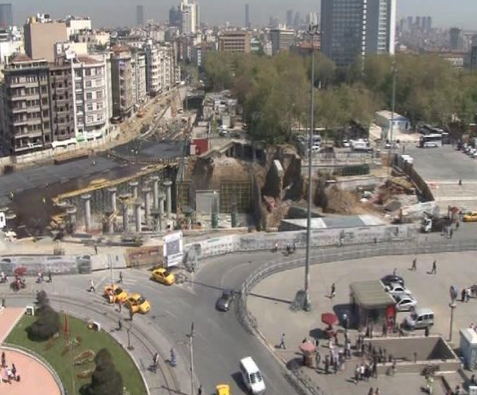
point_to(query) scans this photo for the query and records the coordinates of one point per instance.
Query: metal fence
(249, 322)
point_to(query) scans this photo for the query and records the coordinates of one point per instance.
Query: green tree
(106, 380)
(47, 323)
(218, 70)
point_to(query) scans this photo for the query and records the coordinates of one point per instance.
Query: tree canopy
(106, 380)
(275, 91)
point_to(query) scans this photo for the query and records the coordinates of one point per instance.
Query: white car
(404, 302)
(396, 288)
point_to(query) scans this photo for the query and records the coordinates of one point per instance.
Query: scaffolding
(238, 193)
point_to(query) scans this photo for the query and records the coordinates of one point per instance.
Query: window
(89, 96)
(90, 107)
(88, 84)
(99, 94)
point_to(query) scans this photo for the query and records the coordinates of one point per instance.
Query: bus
(431, 140)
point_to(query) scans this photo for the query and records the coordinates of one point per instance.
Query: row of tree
(275, 92)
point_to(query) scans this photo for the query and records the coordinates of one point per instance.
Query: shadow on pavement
(270, 298)
(237, 377)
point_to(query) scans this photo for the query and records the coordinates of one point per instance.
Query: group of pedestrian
(8, 373)
(365, 371)
(465, 294)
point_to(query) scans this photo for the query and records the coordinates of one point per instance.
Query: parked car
(392, 278)
(420, 319)
(396, 288)
(405, 302)
(225, 300)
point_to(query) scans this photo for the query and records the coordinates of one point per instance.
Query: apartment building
(26, 114)
(138, 63)
(235, 41)
(282, 39)
(41, 35)
(122, 82)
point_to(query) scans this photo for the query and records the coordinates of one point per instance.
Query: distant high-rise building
(410, 21)
(473, 53)
(282, 39)
(247, 16)
(312, 19)
(289, 18)
(297, 20)
(6, 15)
(351, 29)
(189, 14)
(429, 23)
(417, 23)
(174, 17)
(423, 22)
(454, 34)
(140, 15)
(41, 35)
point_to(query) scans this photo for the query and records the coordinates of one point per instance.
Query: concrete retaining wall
(57, 264)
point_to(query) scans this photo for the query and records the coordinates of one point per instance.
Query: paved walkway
(270, 300)
(29, 369)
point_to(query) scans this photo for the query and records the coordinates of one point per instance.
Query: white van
(252, 376)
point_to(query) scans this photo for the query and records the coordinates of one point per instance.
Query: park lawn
(52, 351)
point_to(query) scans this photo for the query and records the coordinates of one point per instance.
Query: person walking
(414, 265)
(333, 291)
(451, 233)
(457, 225)
(120, 324)
(282, 342)
(155, 361)
(50, 279)
(4, 360)
(91, 286)
(394, 271)
(460, 182)
(434, 267)
(14, 371)
(371, 391)
(377, 392)
(317, 359)
(173, 358)
(199, 390)
(131, 314)
(462, 295)
(120, 278)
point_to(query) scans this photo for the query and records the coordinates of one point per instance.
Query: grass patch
(62, 360)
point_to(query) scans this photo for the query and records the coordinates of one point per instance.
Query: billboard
(173, 248)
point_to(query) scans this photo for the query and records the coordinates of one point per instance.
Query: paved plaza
(30, 370)
(270, 300)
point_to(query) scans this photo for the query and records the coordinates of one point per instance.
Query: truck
(431, 223)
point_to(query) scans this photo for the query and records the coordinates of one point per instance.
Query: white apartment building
(138, 62)
(189, 17)
(352, 29)
(11, 42)
(161, 68)
(91, 98)
(76, 25)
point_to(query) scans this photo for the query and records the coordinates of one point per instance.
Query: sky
(445, 13)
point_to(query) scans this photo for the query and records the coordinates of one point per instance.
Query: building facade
(282, 39)
(26, 117)
(189, 17)
(41, 35)
(351, 29)
(140, 15)
(237, 41)
(122, 84)
(138, 62)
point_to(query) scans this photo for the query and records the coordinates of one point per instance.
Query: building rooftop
(388, 115)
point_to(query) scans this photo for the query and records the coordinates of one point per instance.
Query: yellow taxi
(162, 276)
(138, 304)
(222, 389)
(115, 294)
(470, 216)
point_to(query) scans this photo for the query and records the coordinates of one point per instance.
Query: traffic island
(72, 351)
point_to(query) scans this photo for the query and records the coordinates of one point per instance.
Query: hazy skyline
(122, 12)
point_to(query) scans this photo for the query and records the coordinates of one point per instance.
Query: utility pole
(191, 347)
(307, 301)
(393, 108)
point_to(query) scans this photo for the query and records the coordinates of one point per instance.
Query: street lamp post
(307, 302)
(452, 306)
(191, 347)
(393, 108)
(128, 329)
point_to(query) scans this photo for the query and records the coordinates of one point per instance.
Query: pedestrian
(348, 349)
(460, 182)
(155, 361)
(4, 360)
(371, 391)
(120, 324)
(361, 371)
(377, 392)
(451, 233)
(414, 265)
(374, 369)
(394, 272)
(327, 364)
(468, 293)
(333, 291)
(96, 249)
(282, 342)
(131, 315)
(317, 359)
(335, 365)
(120, 277)
(49, 276)
(434, 267)
(462, 295)
(356, 374)
(457, 225)
(91, 286)
(199, 391)
(120, 306)
(335, 336)
(173, 358)
(294, 246)
(14, 371)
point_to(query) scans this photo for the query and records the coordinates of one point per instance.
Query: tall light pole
(393, 108)
(191, 347)
(307, 302)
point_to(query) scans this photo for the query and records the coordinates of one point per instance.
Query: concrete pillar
(112, 191)
(124, 199)
(87, 211)
(71, 211)
(168, 185)
(155, 190)
(147, 204)
(134, 185)
(161, 198)
(137, 215)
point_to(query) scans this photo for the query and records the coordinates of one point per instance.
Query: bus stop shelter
(371, 305)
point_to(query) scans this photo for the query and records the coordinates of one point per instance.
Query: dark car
(391, 278)
(225, 300)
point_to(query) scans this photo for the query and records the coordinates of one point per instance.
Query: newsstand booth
(372, 306)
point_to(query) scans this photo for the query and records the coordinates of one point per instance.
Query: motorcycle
(18, 284)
